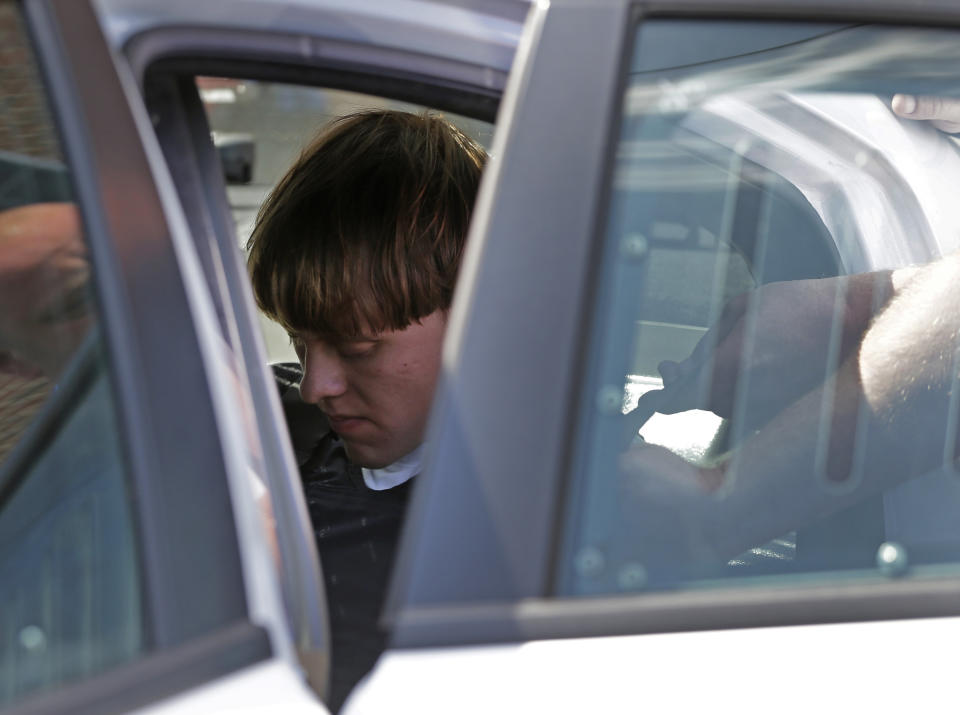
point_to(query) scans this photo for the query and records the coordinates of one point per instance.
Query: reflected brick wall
(25, 128)
(25, 124)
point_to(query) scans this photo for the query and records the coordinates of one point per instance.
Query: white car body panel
(883, 667)
(270, 687)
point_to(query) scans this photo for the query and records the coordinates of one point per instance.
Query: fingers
(729, 319)
(687, 384)
(633, 421)
(683, 386)
(942, 112)
(670, 371)
(674, 398)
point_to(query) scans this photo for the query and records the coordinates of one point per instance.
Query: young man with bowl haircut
(355, 253)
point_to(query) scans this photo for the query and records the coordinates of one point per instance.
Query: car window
(69, 573)
(753, 156)
(260, 128)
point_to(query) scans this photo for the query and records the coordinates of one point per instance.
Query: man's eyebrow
(335, 339)
(359, 339)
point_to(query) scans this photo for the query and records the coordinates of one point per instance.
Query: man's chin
(367, 456)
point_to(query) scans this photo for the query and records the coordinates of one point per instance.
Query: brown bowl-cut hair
(365, 231)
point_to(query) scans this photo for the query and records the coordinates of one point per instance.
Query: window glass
(768, 179)
(69, 580)
(259, 130)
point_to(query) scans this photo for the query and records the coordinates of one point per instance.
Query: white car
(649, 161)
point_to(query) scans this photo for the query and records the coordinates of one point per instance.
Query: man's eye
(356, 352)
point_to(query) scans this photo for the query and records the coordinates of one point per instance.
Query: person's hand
(941, 112)
(44, 275)
(778, 337)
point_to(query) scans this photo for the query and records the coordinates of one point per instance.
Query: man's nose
(323, 374)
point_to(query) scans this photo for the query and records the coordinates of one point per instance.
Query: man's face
(376, 390)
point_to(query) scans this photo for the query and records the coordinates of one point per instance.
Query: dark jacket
(356, 529)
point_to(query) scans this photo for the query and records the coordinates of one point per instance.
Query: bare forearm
(791, 472)
(881, 419)
(907, 356)
(869, 294)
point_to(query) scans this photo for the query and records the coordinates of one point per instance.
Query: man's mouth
(346, 425)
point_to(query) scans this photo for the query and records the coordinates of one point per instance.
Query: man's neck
(394, 474)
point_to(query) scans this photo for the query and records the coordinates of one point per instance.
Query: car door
(135, 552)
(658, 159)
(284, 69)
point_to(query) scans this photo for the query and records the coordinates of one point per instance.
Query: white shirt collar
(394, 474)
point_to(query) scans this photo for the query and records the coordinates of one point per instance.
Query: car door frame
(196, 523)
(165, 61)
(477, 563)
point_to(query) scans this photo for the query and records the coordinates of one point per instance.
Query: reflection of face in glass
(44, 277)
